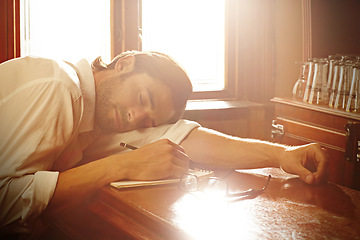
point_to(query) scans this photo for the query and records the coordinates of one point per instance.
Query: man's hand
(309, 161)
(157, 160)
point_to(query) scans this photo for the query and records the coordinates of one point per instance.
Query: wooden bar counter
(287, 209)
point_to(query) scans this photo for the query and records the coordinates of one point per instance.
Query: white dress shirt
(41, 108)
(46, 124)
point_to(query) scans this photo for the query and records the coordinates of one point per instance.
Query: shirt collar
(87, 86)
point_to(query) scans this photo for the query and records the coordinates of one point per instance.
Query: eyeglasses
(191, 183)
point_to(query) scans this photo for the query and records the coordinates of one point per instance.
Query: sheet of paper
(127, 184)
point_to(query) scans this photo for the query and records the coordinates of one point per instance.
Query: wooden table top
(288, 209)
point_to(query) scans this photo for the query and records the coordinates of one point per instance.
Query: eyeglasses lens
(216, 185)
(188, 183)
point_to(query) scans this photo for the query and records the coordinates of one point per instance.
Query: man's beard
(104, 106)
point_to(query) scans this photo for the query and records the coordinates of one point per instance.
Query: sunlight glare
(66, 29)
(204, 216)
(193, 32)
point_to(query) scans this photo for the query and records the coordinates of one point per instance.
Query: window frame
(127, 31)
(9, 29)
(250, 63)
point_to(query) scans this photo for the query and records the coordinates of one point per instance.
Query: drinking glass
(319, 91)
(343, 92)
(310, 74)
(334, 82)
(353, 99)
(300, 85)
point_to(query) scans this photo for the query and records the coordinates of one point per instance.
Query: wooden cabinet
(338, 131)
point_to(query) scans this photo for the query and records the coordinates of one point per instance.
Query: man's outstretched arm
(220, 150)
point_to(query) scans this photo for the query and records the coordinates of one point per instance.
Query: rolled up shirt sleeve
(26, 197)
(37, 196)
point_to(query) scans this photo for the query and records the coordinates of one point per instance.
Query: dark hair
(159, 66)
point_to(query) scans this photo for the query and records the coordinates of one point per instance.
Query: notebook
(129, 184)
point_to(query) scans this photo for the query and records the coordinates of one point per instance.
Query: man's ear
(125, 64)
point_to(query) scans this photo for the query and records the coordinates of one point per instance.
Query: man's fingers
(321, 172)
(178, 171)
(321, 158)
(168, 142)
(170, 151)
(305, 175)
(180, 157)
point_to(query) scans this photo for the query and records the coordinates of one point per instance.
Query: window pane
(191, 31)
(66, 29)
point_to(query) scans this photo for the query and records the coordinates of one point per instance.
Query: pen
(193, 165)
(125, 145)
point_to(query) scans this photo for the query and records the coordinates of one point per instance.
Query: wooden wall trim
(9, 29)
(126, 26)
(330, 27)
(307, 28)
(256, 50)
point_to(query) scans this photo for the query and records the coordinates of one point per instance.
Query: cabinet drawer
(297, 133)
(315, 118)
(298, 123)
(311, 133)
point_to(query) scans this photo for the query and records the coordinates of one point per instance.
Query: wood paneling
(9, 29)
(331, 27)
(236, 118)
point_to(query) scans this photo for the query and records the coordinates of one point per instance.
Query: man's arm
(220, 150)
(154, 161)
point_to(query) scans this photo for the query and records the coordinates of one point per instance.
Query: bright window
(66, 29)
(191, 31)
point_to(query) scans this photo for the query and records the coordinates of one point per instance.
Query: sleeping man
(54, 113)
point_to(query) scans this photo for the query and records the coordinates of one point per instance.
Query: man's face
(138, 101)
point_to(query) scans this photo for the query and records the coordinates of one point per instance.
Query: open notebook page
(128, 184)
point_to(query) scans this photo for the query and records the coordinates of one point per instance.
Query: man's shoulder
(30, 64)
(31, 59)
(31, 71)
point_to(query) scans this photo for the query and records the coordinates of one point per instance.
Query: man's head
(132, 84)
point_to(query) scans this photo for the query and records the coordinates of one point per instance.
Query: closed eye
(141, 100)
(146, 99)
(151, 99)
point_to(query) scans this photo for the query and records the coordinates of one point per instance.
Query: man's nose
(139, 116)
